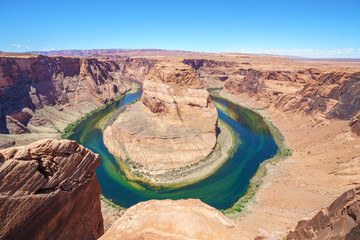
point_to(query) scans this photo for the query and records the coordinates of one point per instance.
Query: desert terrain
(314, 104)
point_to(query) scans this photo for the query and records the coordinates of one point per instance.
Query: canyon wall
(29, 82)
(321, 92)
(49, 190)
(340, 220)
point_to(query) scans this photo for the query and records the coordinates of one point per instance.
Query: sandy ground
(325, 163)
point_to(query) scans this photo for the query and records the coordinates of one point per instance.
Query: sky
(317, 28)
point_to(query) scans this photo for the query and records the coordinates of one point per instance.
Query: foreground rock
(173, 220)
(338, 221)
(173, 126)
(49, 190)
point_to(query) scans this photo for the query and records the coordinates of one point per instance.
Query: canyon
(314, 104)
(41, 95)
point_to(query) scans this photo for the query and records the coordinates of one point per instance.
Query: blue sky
(314, 28)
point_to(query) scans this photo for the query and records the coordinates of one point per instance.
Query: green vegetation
(210, 90)
(221, 107)
(111, 204)
(132, 170)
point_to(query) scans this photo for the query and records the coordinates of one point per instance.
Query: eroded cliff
(30, 82)
(338, 221)
(320, 91)
(49, 190)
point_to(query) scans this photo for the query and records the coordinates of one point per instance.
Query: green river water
(220, 190)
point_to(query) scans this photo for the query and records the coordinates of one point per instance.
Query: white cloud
(47, 48)
(19, 45)
(313, 53)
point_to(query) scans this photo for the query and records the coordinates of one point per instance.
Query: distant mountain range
(97, 52)
(80, 53)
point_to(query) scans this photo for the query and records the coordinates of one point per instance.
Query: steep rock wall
(323, 94)
(30, 83)
(49, 190)
(338, 221)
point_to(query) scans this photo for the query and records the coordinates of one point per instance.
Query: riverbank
(178, 177)
(324, 163)
(57, 122)
(283, 152)
(69, 129)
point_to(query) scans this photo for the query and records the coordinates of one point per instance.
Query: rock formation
(355, 124)
(310, 91)
(174, 124)
(49, 190)
(338, 221)
(173, 220)
(30, 82)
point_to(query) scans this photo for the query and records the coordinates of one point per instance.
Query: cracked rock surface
(49, 190)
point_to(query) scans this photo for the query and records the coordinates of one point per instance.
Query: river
(220, 190)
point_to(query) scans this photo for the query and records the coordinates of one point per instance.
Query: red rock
(334, 222)
(49, 190)
(32, 82)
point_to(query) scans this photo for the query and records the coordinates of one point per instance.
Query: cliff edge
(49, 190)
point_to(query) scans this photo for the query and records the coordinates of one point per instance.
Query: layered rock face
(322, 92)
(333, 95)
(338, 221)
(30, 82)
(174, 125)
(173, 220)
(49, 190)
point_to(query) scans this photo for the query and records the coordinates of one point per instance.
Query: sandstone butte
(49, 190)
(173, 126)
(315, 104)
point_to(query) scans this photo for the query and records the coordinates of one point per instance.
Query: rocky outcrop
(338, 221)
(213, 73)
(173, 220)
(28, 83)
(174, 124)
(355, 124)
(49, 190)
(245, 81)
